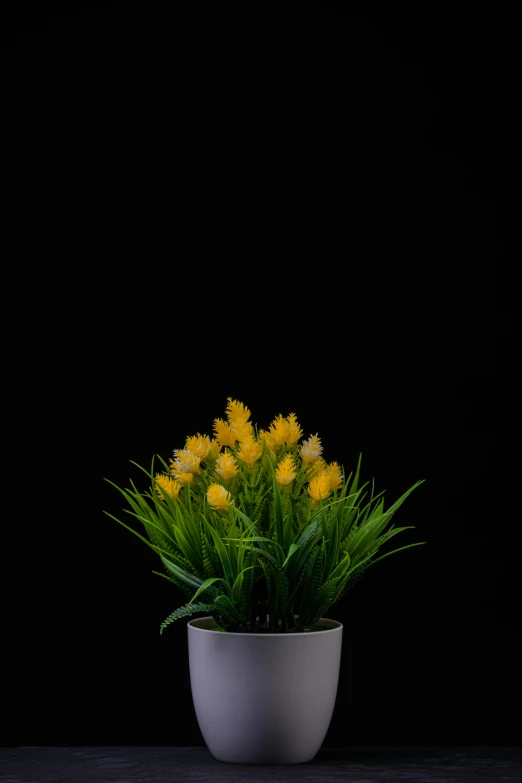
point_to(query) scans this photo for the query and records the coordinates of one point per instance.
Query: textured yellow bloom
(250, 451)
(278, 431)
(226, 466)
(335, 476)
(184, 466)
(311, 449)
(285, 471)
(237, 413)
(223, 433)
(214, 450)
(183, 478)
(319, 487)
(185, 462)
(315, 467)
(294, 430)
(242, 431)
(198, 445)
(169, 485)
(265, 437)
(218, 497)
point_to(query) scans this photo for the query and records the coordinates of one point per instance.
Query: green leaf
(293, 548)
(387, 554)
(236, 589)
(288, 526)
(190, 579)
(225, 602)
(366, 535)
(183, 611)
(232, 540)
(188, 550)
(317, 574)
(165, 518)
(264, 550)
(185, 522)
(278, 514)
(332, 549)
(306, 541)
(222, 553)
(342, 567)
(204, 586)
(209, 565)
(149, 475)
(155, 548)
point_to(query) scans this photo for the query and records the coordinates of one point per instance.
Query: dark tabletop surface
(31, 764)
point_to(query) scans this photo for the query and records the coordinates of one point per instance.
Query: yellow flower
(223, 433)
(237, 413)
(218, 498)
(294, 430)
(198, 445)
(185, 462)
(311, 449)
(285, 471)
(183, 478)
(226, 466)
(315, 468)
(168, 485)
(265, 437)
(278, 431)
(319, 487)
(184, 466)
(335, 476)
(214, 450)
(242, 431)
(250, 451)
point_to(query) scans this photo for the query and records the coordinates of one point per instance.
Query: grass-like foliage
(258, 526)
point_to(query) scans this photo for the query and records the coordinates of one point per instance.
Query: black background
(297, 209)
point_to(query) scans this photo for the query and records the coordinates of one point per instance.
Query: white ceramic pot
(264, 698)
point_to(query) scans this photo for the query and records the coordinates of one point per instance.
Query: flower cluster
(236, 446)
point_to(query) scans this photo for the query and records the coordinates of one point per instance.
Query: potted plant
(261, 535)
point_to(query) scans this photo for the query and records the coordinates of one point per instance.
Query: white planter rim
(205, 624)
